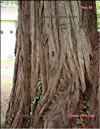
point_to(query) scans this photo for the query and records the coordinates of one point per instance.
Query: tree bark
(55, 42)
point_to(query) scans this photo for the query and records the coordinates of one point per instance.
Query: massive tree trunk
(55, 61)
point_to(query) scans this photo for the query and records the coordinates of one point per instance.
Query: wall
(8, 38)
(8, 32)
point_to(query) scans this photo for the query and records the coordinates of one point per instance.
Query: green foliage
(38, 97)
(6, 85)
(88, 105)
(39, 83)
(39, 79)
(7, 2)
(88, 112)
(41, 97)
(30, 113)
(8, 61)
(98, 14)
(78, 121)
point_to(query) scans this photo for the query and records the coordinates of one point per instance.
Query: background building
(9, 16)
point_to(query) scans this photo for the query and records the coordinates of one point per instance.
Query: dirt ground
(6, 76)
(7, 71)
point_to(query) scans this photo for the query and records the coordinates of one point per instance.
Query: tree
(54, 69)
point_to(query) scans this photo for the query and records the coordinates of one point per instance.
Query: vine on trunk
(38, 97)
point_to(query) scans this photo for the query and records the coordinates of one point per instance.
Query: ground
(7, 68)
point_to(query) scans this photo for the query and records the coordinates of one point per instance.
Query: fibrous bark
(55, 41)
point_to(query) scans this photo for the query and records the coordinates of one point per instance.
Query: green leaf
(88, 105)
(34, 102)
(37, 97)
(30, 113)
(39, 83)
(40, 89)
(88, 112)
(39, 78)
(41, 97)
(78, 121)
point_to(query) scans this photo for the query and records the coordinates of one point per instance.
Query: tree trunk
(55, 61)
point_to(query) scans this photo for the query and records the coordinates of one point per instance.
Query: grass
(8, 61)
(98, 14)
(6, 85)
(4, 110)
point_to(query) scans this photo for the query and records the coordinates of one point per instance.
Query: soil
(6, 76)
(7, 72)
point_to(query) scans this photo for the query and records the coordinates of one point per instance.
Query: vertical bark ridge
(76, 70)
(58, 51)
(20, 94)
